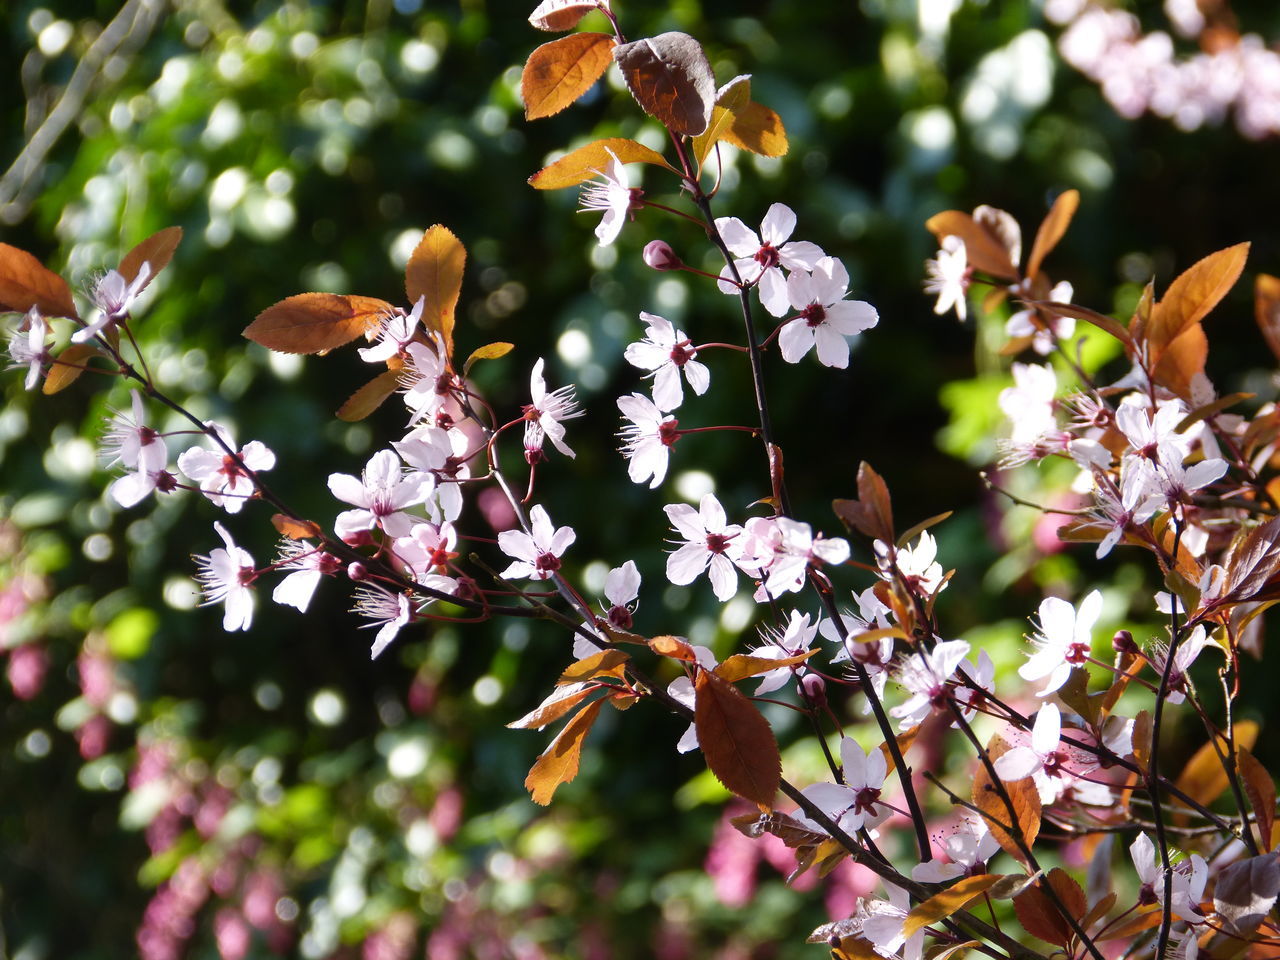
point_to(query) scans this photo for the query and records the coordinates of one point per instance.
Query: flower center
(668, 432)
(717, 542)
(865, 799)
(547, 564)
(620, 617)
(683, 352)
(230, 469)
(815, 314)
(767, 256)
(1077, 653)
(246, 576)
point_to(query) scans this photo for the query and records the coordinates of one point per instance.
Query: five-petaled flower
(380, 496)
(27, 346)
(761, 258)
(225, 576)
(647, 438)
(1064, 640)
(222, 477)
(666, 353)
(537, 553)
(825, 316)
(543, 417)
(709, 543)
(113, 296)
(613, 196)
(855, 803)
(948, 277)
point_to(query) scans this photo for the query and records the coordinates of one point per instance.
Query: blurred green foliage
(275, 793)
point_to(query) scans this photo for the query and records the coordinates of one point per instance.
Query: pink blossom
(667, 353)
(761, 258)
(224, 481)
(395, 333)
(113, 296)
(225, 576)
(947, 276)
(380, 496)
(27, 346)
(536, 553)
(648, 437)
(613, 196)
(709, 543)
(826, 318)
(548, 410)
(1063, 641)
(388, 611)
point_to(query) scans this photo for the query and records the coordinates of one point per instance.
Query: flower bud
(814, 689)
(1122, 642)
(659, 255)
(357, 572)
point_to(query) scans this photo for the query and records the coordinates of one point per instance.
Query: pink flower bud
(814, 689)
(1122, 642)
(659, 255)
(357, 572)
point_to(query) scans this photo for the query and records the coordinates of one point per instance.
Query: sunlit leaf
(758, 130)
(984, 250)
(1039, 915)
(904, 741)
(1261, 791)
(589, 160)
(605, 663)
(1052, 229)
(1203, 778)
(558, 15)
(490, 351)
(369, 397)
(944, 904)
(558, 73)
(1254, 560)
(1099, 320)
(671, 79)
(741, 665)
(315, 322)
(1023, 821)
(295, 529)
(736, 740)
(872, 513)
(67, 367)
(156, 251)
(732, 97)
(673, 647)
(1266, 309)
(1193, 294)
(560, 701)
(559, 762)
(1182, 360)
(434, 271)
(25, 283)
(921, 527)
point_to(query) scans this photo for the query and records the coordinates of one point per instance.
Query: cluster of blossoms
(1140, 72)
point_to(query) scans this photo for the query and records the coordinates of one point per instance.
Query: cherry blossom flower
(855, 803)
(380, 496)
(1189, 878)
(1041, 759)
(826, 318)
(1044, 329)
(549, 409)
(925, 675)
(614, 196)
(1064, 641)
(621, 587)
(647, 439)
(761, 258)
(917, 565)
(968, 849)
(225, 576)
(426, 381)
(129, 441)
(221, 478)
(395, 333)
(308, 564)
(442, 454)
(798, 549)
(983, 680)
(113, 297)
(428, 550)
(27, 346)
(795, 639)
(1029, 402)
(682, 691)
(884, 923)
(388, 611)
(948, 277)
(666, 353)
(873, 655)
(1136, 503)
(1192, 645)
(710, 543)
(537, 553)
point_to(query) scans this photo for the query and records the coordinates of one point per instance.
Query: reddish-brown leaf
(559, 702)
(872, 513)
(558, 73)
(558, 15)
(1261, 790)
(1099, 910)
(1099, 320)
(295, 529)
(369, 397)
(736, 740)
(315, 322)
(588, 161)
(741, 665)
(1144, 918)
(1266, 309)
(1040, 918)
(1052, 229)
(671, 79)
(1203, 778)
(673, 647)
(1254, 559)
(559, 762)
(1182, 360)
(434, 271)
(156, 251)
(605, 663)
(1025, 820)
(759, 130)
(984, 250)
(1192, 295)
(944, 904)
(67, 367)
(25, 283)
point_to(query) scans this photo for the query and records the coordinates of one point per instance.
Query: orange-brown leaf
(741, 665)
(557, 15)
(1203, 778)
(605, 663)
(1266, 309)
(736, 740)
(295, 529)
(434, 271)
(944, 904)
(1261, 791)
(315, 322)
(369, 397)
(673, 647)
(589, 160)
(872, 513)
(558, 73)
(156, 251)
(1192, 295)
(559, 762)
(982, 247)
(670, 77)
(25, 283)
(1040, 918)
(490, 351)
(1052, 229)
(1144, 918)
(758, 130)
(905, 739)
(1182, 360)
(730, 99)
(67, 367)
(1099, 320)
(1025, 821)
(559, 702)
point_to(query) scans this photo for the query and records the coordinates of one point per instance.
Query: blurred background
(180, 791)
